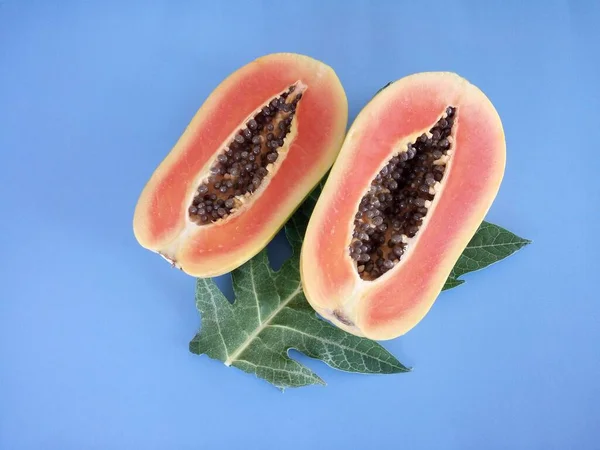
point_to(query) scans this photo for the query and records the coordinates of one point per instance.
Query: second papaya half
(418, 171)
(253, 151)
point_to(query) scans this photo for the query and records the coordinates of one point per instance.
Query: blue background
(94, 330)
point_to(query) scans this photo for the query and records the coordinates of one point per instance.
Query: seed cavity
(392, 211)
(241, 167)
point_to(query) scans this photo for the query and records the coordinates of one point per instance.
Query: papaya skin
(161, 222)
(397, 301)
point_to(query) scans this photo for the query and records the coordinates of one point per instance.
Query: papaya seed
(248, 159)
(397, 202)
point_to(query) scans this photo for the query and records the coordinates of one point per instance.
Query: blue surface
(94, 330)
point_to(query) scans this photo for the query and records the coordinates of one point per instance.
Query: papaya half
(253, 151)
(417, 172)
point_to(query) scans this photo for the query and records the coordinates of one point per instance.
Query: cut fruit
(418, 171)
(253, 151)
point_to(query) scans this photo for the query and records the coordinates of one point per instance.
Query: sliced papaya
(252, 152)
(418, 171)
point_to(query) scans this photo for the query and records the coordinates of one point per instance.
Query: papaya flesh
(418, 171)
(252, 152)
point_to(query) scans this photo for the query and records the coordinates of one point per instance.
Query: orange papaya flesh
(168, 220)
(388, 301)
